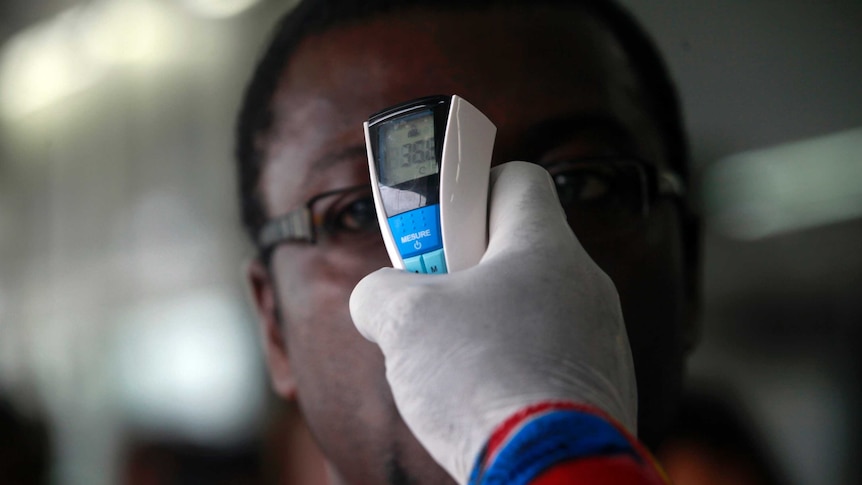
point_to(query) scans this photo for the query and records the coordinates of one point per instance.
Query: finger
(380, 299)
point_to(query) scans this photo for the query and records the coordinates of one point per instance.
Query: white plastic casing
(468, 144)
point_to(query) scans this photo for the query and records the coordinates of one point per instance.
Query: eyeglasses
(604, 197)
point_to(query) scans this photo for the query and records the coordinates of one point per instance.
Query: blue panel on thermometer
(418, 231)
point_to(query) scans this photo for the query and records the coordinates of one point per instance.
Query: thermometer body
(429, 161)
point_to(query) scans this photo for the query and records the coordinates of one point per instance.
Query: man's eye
(582, 186)
(354, 215)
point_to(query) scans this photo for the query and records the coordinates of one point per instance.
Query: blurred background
(127, 348)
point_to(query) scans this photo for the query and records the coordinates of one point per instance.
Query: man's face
(558, 87)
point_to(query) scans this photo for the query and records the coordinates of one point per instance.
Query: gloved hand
(535, 320)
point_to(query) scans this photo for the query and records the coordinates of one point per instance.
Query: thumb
(524, 210)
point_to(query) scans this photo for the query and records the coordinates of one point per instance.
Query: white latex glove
(535, 320)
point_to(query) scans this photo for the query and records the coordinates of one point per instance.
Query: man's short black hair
(316, 16)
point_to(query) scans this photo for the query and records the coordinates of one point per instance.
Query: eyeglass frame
(298, 225)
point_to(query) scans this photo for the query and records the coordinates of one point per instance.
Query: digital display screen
(407, 149)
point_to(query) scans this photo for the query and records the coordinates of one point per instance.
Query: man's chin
(427, 472)
(404, 463)
(409, 463)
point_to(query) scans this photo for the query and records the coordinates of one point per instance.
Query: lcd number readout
(417, 153)
(409, 149)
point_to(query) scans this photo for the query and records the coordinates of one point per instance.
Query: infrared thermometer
(430, 162)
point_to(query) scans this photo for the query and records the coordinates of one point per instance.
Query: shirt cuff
(545, 435)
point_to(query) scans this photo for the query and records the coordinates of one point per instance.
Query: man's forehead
(336, 79)
(373, 63)
(318, 141)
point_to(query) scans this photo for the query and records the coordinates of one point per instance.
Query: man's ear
(264, 297)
